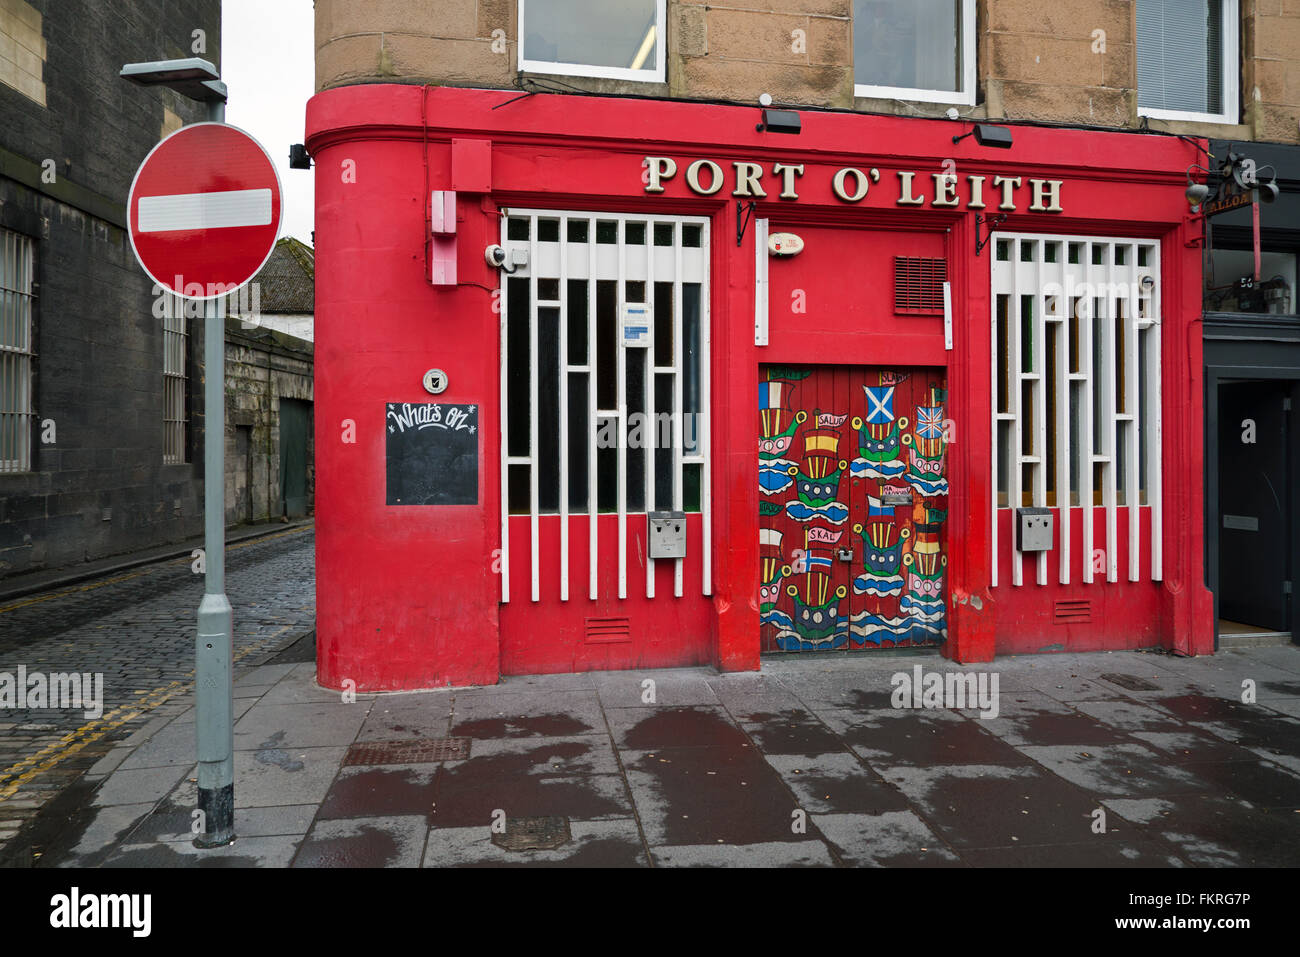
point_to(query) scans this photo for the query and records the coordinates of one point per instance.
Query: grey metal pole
(214, 694)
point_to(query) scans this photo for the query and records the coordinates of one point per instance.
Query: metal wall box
(667, 534)
(1034, 531)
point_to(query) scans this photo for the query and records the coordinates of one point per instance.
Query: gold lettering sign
(942, 190)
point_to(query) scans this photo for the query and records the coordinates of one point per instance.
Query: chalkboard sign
(432, 453)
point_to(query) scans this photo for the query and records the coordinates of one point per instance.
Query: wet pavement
(1100, 760)
(134, 627)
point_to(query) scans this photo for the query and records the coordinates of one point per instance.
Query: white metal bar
(1154, 443)
(593, 422)
(760, 282)
(1040, 387)
(1133, 496)
(679, 436)
(706, 416)
(1064, 389)
(505, 434)
(562, 379)
(533, 496)
(621, 361)
(1015, 373)
(1109, 493)
(648, 389)
(1086, 427)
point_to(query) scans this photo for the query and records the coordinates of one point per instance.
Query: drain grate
(1130, 682)
(414, 751)
(533, 833)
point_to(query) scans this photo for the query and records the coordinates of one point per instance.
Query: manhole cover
(415, 751)
(533, 833)
(1131, 682)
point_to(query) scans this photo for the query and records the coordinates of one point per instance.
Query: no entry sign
(204, 210)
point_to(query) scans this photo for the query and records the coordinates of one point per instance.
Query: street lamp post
(214, 705)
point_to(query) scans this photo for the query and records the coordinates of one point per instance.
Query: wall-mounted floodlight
(986, 135)
(780, 121)
(299, 158)
(196, 78)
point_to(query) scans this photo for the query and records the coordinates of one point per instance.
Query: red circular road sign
(204, 210)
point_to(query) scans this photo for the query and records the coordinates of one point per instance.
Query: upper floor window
(914, 50)
(17, 352)
(613, 39)
(1187, 60)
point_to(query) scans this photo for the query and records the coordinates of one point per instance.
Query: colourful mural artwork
(852, 549)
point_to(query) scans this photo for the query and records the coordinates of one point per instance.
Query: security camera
(765, 99)
(1148, 283)
(495, 256)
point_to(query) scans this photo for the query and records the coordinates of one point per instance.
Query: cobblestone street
(137, 629)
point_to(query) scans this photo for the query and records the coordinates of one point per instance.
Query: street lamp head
(194, 77)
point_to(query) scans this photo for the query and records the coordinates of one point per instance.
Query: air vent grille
(607, 630)
(918, 285)
(1072, 611)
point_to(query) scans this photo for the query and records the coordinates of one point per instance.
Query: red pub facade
(723, 390)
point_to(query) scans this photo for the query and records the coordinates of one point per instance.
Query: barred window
(16, 352)
(175, 379)
(1076, 420)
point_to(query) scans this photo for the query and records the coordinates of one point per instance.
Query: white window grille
(175, 379)
(612, 39)
(17, 352)
(921, 50)
(590, 425)
(1187, 61)
(1076, 395)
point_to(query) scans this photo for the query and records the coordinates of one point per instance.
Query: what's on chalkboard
(432, 453)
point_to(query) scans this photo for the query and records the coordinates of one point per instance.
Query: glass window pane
(548, 410)
(578, 439)
(663, 324)
(665, 442)
(1180, 54)
(692, 402)
(612, 33)
(578, 322)
(692, 482)
(518, 399)
(911, 44)
(606, 344)
(639, 429)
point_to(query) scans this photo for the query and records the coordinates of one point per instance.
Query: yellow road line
(16, 775)
(23, 603)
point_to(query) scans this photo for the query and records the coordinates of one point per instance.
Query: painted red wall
(408, 597)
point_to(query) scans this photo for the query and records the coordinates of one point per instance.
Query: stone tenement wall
(1069, 63)
(263, 367)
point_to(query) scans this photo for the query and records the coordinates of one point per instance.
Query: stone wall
(263, 367)
(1070, 63)
(68, 150)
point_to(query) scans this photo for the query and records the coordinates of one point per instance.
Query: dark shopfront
(1252, 392)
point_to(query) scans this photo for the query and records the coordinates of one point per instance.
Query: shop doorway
(1255, 513)
(853, 500)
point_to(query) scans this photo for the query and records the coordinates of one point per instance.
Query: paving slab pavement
(1099, 760)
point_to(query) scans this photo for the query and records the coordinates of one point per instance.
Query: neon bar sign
(940, 190)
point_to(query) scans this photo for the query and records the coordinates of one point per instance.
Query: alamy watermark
(946, 689)
(59, 691)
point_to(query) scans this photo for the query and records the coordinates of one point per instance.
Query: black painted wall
(99, 346)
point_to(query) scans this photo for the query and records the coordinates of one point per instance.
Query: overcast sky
(266, 60)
